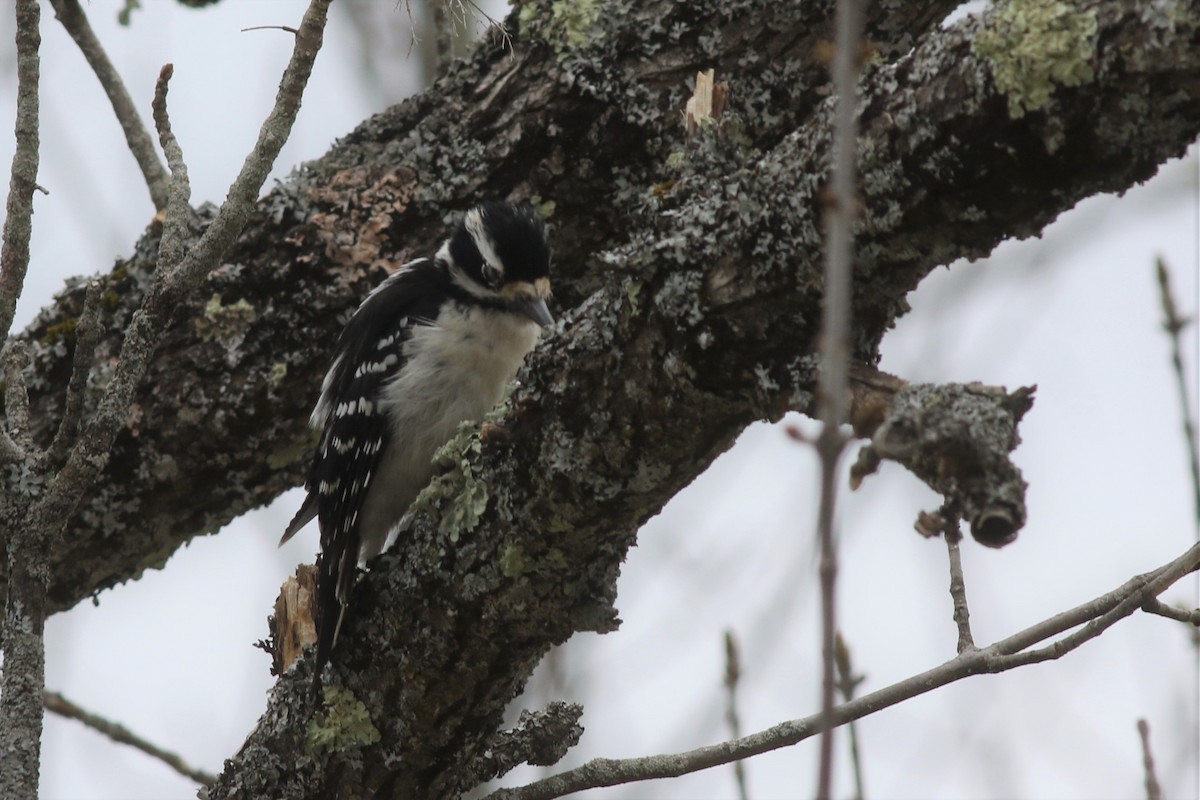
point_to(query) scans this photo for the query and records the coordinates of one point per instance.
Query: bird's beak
(535, 308)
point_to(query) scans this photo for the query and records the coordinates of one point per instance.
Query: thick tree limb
(222, 399)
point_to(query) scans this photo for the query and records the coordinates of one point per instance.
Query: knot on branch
(956, 438)
(540, 738)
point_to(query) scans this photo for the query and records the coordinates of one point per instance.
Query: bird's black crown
(498, 243)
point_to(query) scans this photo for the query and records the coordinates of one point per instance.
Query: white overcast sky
(1075, 312)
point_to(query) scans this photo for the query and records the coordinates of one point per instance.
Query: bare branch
(87, 334)
(140, 340)
(14, 253)
(958, 587)
(274, 133)
(540, 738)
(733, 673)
(611, 772)
(1153, 788)
(175, 226)
(1174, 325)
(835, 348)
(1096, 617)
(58, 704)
(847, 687)
(16, 397)
(443, 35)
(1160, 608)
(28, 558)
(137, 137)
(957, 439)
(286, 28)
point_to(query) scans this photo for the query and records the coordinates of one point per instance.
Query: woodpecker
(434, 345)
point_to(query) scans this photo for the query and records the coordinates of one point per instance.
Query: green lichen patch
(62, 332)
(457, 494)
(279, 371)
(544, 208)
(513, 562)
(226, 324)
(1035, 45)
(568, 25)
(343, 724)
(294, 450)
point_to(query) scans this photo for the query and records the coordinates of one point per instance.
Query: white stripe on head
(479, 234)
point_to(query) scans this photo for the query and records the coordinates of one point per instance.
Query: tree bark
(688, 280)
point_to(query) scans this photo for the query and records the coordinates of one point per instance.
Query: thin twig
(1156, 606)
(1174, 325)
(14, 252)
(137, 137)
(243, 193)
(835, 348)
(733, 673)
(87, 335)
(175, 227)
(14, 446)
(996, 658)
(28, 555)
(58, 704)
(286, 28)
(16, 396)
(443, 36)
(848, 686)
(958, 587)
(1095, 618)
(1153, 788)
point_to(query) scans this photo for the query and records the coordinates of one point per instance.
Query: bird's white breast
(455, 370)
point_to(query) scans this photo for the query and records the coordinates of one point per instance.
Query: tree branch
(1171, 612)
(1174, 325)
(840, 217)
(87, 335)
(996, 658)
(733, 672)
(57, 704)
(1153, 788)
(137, 137)
(28, 551)
(14, 251)
(958, 588)
(19, 442)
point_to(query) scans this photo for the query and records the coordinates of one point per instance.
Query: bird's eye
(491, 275)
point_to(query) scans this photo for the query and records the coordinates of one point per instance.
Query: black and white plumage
(432, 346)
